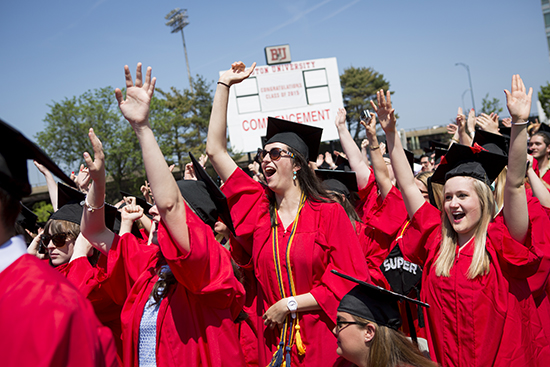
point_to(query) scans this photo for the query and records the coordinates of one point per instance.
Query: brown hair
(54, 226)
(390, 348)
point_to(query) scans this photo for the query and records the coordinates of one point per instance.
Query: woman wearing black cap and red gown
(474, 268)
(290, 233)
(180, 295)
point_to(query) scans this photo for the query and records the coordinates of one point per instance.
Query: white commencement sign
(307, 92)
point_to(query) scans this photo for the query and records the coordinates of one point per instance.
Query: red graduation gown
(87, 279)
(45, 321)
(195, 320)
(484, 321)
(324, 240)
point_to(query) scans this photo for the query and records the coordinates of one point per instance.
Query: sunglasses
(58, 239)
(341, 325)
(274, 154)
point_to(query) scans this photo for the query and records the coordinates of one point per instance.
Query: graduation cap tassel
(277, 360)
(420, 311)
(287, 356)
(299, 343)
(412, 328)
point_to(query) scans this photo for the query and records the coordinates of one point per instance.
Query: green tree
(544, 98)
(43, 210)
(180, 121)
(489, 106)
(65, 137)
(359, 86)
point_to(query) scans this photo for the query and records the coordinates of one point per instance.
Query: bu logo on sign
(278, 54)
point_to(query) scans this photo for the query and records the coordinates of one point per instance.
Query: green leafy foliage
(43, 210)
(544, 98)
(359, 86)
(489, 106)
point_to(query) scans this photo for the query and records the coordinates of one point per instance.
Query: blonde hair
(390, 348)
(499, 190)
(449, 238)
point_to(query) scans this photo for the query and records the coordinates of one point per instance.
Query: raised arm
(378, 164)
(167, 196)
(386, 115)
(352, 151)
(92, 226)
(216, 143)
(50, 182)
(515, 210)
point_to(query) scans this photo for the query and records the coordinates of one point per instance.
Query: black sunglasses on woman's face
(58, 239)
(274, 154)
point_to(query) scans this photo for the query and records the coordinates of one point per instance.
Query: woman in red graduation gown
(291, 235)
(181, 296)
(474, 270)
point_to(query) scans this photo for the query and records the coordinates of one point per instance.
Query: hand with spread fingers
(236, 74)
(488, 123)
(518, 101)
(384, 111)
(138, 96)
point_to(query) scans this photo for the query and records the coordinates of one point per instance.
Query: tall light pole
(464, 104)
(178, 19)
(470, 80)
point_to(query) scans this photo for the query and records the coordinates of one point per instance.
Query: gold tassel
(299, 344)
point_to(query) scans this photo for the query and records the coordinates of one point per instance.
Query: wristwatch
(292, 306)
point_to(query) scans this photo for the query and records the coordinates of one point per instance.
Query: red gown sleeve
(343, 246)
(247, 202)
(422, 233)
(127, 259)
(390, 216)
(206, 269)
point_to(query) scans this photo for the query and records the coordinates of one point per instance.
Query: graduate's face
(538, 148)
(462, 205)
(60, 255)
(279, 173)
(352, 339)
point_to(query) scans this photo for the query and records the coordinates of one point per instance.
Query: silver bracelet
(520, 123)
(90, 208)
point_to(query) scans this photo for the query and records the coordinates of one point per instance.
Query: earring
(294, 177)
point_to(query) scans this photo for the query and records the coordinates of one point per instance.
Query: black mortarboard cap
(344, 182)
(494, 143)
(15, 150)
(373, 303)
(27, 219)
(476, 162)
(70, 204)
(304, 138)
(216, 195)
(342, 163)
(197, 196)
(410, 158)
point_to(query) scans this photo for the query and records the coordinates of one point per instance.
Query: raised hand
(146, 191)
(320, 160)
(131, 211)
(488, 123)
(370, 128)
(138, 96)
(189, 173)
(518, 101)
(452, 129)
(237, 73)
(340, 121)
(471, 122)
(96, 167)
(384, 111)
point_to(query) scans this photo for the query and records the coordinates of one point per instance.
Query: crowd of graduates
(303, 259)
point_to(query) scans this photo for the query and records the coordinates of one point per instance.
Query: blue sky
(57, 49)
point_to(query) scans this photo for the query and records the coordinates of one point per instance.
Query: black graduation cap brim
(494, 143)
(462, 160)
(544, 127)
(306, 139)
(217, 196)
(139, 201)
(439, 152)
(27, 219)
(437, 144)
(348, 179)
(15, 150)
(382, 291)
